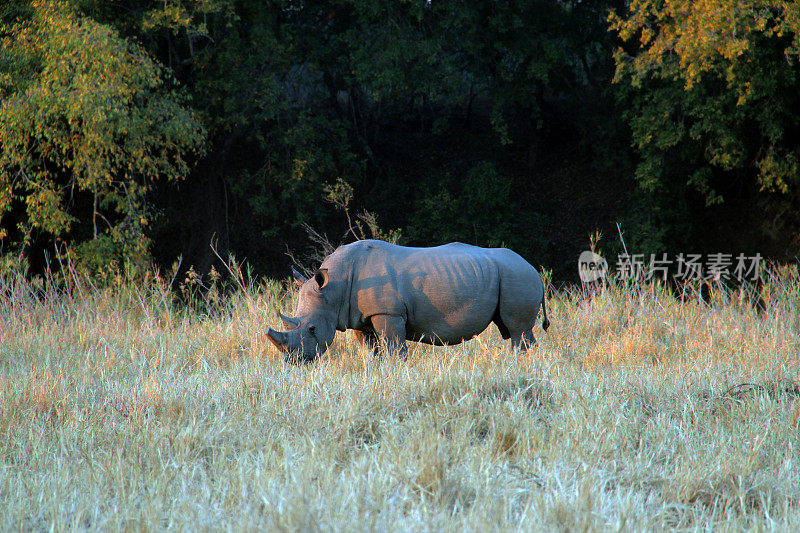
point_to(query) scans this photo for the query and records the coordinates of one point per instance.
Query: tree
(714, 95)
(87, 123)
(422, 108)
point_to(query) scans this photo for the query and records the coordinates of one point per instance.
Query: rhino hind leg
(524, 340)
(515, 320)
(518, 307)
(498, 321)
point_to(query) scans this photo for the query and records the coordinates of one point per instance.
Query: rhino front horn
(289, 322)
(278, 338)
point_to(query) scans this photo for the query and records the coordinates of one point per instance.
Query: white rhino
(441, 295)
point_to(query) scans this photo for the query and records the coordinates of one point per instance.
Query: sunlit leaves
(713, 90)
(699, 36)
(85, 112)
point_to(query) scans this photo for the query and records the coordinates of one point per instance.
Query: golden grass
(120, 409)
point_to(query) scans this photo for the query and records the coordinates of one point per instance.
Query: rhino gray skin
(441, 295)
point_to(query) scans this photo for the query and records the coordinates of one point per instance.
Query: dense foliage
(711, 94)
(87, 123)
(490, 122)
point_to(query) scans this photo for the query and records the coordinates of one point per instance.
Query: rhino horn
(289, 322)
(298, 276)
(278, 338)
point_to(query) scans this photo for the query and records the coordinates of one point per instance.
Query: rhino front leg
(392, 329)
(368, 339)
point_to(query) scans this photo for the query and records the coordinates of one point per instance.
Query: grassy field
(122, 409)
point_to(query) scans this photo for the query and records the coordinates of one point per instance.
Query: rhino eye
(312, 329)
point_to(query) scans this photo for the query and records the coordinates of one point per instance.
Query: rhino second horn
(289, 322)
(278, 338)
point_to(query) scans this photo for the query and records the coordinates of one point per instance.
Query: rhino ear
(321, 277)
(298, 276)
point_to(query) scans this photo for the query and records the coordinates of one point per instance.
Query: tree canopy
(711, 93)
(141, 129)
(88, 121)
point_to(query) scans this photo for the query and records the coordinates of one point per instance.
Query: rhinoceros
(440, 295)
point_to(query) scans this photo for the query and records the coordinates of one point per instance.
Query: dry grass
(120, 409)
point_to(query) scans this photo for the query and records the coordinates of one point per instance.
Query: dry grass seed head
(42, 395)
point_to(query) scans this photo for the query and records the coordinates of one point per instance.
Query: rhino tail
(545, 322)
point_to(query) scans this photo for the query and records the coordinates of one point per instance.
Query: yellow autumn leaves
(86, 121)
(704, 35)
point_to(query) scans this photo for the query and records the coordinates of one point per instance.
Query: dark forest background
(134, 131)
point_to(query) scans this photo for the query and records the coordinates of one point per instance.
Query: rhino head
(309, 333)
